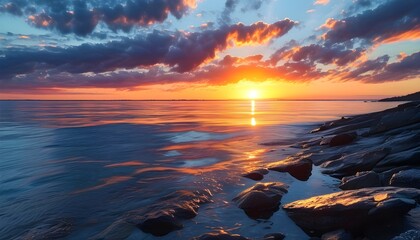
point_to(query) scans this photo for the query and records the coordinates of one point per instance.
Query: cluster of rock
(376, 156)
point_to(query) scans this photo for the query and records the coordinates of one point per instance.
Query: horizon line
(202, 100)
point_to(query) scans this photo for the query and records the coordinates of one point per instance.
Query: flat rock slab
(299, 168)
(406, 178)
(351, 210)
(262, 199)
(361, 180)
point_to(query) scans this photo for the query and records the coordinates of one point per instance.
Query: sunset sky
(209, 49)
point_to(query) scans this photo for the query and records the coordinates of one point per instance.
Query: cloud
(315, 53)
(321, 2)
(81, 17)
(180, 50)
(392, 21)
(230, 7)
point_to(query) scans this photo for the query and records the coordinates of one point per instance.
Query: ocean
(87, 163)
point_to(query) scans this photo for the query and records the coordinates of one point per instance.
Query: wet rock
(340, 234)
(300, 168)
(353, 163)
(220, 236)
(342, 139)
(409, 235)
(160, 224)
(261, 200)
(406, 178)
(167, 215)
(257, 174)
(408, 157)
(361, 180)
(351, 210)
(274, 236)
(397, 119)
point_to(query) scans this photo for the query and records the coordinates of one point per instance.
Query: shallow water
(89, 162)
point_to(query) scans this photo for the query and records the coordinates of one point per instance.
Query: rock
(160, 224)
(257, 174)
(409, 235)
(261, 200)
(167, 215)
(274, 236)
(361, 180)
(342, 139)
(409, 157)
(340, 234)
(353, 163)
(406, 178)
(220, 236)
(397, 119)
(300, 168)
(351, 210)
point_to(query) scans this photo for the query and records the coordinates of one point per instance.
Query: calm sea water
(89, 162)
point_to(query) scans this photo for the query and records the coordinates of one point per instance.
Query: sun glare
(253, 94)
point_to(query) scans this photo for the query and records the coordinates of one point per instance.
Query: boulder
(406, 178)
(261, 200)
(257, 174)
(351, 210)
(167, 215)
(361, 180)
(299, 168)
(342, 139)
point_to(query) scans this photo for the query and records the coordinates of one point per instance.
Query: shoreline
(335, 148)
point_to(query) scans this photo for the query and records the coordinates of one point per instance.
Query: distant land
(410, 97)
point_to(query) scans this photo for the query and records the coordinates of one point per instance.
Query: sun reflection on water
(253, 121)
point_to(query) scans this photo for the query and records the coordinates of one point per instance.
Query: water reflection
(253, 121)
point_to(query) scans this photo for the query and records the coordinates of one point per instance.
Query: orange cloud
(321, 2)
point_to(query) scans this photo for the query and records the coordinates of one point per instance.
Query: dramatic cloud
(389, 22)
(183, 51)
(81, 17)
(314, 53)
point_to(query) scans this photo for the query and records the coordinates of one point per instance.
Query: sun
(253, 94)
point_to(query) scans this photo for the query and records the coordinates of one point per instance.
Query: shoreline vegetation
(375, 155)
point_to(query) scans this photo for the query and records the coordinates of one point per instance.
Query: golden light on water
(253, 107)
(253, 121)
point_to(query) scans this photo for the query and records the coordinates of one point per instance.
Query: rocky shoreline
(376, 156)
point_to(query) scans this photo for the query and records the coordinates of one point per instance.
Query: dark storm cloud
(182, 51)
(81, 17)
(387, 22)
